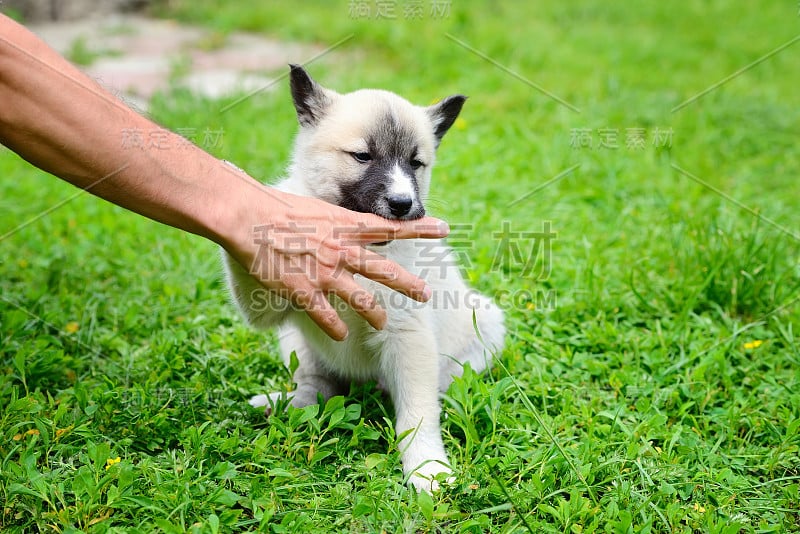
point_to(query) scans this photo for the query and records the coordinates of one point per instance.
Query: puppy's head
(370, 150)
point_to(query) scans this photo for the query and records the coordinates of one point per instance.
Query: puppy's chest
(359, 356)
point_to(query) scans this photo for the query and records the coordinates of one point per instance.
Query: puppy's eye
(416, 164)
(361, 157)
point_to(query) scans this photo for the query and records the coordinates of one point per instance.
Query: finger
(373, 229)
(376, 267)
(316, 305)
(427, 227)
(362, 302)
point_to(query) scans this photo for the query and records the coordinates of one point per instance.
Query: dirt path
(134, 56)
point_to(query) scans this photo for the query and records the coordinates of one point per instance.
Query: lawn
(623, 181)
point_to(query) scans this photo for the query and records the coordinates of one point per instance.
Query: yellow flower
(31, 432)
(460, 124)
(71, 327)
(61, 431)
(699, 508)
(112, 461)
(750, 345)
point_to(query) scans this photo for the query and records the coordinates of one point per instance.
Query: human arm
(60, 120)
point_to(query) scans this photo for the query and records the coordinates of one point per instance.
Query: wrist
(237, 204)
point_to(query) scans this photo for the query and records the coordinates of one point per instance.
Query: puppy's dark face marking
(388, 184)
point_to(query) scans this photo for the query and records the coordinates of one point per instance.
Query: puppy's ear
(444, 114)
(311, 100)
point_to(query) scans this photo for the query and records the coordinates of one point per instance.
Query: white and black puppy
(372, 151)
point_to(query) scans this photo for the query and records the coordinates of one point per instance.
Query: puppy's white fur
(423, 346)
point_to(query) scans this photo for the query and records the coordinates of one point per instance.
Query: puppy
(372, 151)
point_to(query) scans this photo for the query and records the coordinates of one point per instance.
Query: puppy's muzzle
(400, 205)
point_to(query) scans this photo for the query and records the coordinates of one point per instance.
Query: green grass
(651, 380)
(81, 53)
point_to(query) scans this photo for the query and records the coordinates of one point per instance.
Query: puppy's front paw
(259, 401)
(425, 478)
(268, 402)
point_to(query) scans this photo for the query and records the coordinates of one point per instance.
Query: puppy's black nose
(400, 205)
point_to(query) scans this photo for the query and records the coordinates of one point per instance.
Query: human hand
(305, 249)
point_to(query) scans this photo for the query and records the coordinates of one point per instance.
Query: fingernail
(444, 227)
(426, 293)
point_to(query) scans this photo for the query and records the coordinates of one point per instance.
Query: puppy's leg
(409, 368)
(310, 376)
(310, 380)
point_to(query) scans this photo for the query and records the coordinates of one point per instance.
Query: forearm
(60, 120)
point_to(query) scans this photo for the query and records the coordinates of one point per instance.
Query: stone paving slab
(135, 56)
